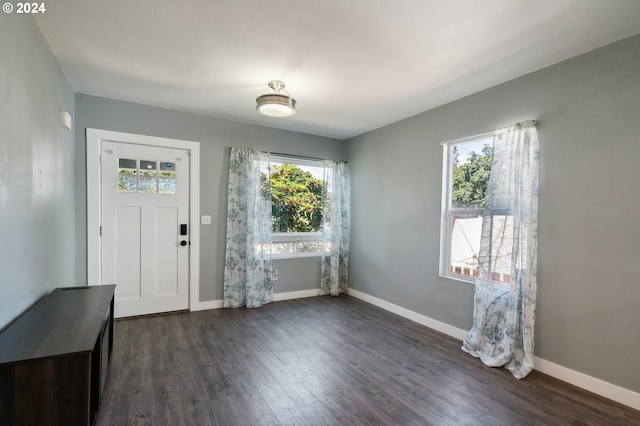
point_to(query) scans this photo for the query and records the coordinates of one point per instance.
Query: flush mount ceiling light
(276, 104)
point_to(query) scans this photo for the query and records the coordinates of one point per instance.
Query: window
(145, 176)
(466, 168)
(297, 202)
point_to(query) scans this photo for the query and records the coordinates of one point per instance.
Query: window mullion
(464, 212)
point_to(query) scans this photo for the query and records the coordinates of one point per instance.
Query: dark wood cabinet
(54, 358)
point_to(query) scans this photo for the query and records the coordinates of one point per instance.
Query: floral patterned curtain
(335, 229)
(248, 269)
(505, 292)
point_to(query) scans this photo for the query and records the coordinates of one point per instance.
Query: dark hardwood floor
(323, 361)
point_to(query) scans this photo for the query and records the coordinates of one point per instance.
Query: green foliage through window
(470, 178)
(296, 199)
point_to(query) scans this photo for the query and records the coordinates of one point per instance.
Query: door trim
(94, 138)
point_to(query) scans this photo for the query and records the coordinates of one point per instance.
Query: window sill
(286, 237)
(459, 278)
(295, 256)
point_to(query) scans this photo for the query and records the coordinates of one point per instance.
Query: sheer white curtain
(505, 292)
(248, 268)
(335, 229)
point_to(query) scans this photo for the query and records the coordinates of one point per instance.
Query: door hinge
(100, 160)
(101, 231)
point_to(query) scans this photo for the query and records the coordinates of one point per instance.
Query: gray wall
(297, 274)
(587, 316)
(589, 288)
(215, 137)
(36, 169)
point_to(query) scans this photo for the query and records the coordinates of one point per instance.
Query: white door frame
(94, 145)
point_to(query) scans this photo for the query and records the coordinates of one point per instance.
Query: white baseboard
(413, 316)
(217, 304)
(589, 383)
(296, 294)
(592, 384)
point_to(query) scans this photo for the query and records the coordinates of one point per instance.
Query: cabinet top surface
(67, 320)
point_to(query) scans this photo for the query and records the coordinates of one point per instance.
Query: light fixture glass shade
(276, 104)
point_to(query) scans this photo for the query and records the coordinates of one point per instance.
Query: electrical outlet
(275, 275)
(205, 220)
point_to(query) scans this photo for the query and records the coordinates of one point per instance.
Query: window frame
(295, 237)
(448, 212)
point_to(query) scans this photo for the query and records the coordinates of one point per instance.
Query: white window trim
(299, 161)
(295, 237)
(281, 237)
(447, 210)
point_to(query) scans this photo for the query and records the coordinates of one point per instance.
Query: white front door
(145, 227)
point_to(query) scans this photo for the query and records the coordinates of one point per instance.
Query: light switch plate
(205, 220)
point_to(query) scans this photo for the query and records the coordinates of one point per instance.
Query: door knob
(183, 243)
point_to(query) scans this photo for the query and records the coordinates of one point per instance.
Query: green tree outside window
(296, 199)
(470, 178)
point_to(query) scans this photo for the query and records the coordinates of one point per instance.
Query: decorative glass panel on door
(167, 180)
(148, 177)
(127, 175)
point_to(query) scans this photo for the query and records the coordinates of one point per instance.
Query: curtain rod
(301, 157)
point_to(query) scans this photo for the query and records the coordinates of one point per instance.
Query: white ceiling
(352, 65)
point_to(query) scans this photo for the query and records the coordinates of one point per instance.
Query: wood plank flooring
(323, 361)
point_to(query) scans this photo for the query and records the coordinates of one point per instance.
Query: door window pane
(127, 175)
(148, 177)
(151, 177)
(167, 182)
